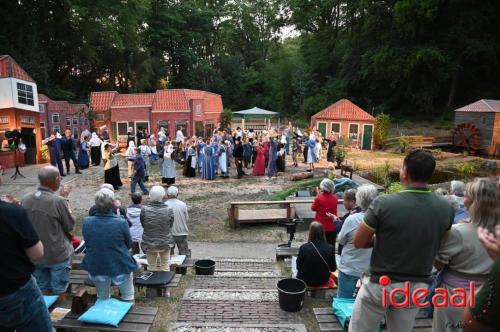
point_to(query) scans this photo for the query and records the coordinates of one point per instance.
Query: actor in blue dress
(208, 171)
(83, 154)
(273, 156)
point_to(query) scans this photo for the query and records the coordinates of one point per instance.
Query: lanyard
(420, 191)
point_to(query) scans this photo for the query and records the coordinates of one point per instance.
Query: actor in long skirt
(191, 162)
(259, 168)
(222, 153)
(273, 155)
(83, 154)
(95, 149)
(168, 165)
(311, 152)
(111, 169)
(208, 172)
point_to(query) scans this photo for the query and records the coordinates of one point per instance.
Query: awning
(255, 113)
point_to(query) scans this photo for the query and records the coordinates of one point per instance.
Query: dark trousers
(331, 237)
(70, 155)
(137, 180)
(55, 160)
(247, 160)
(239, 167)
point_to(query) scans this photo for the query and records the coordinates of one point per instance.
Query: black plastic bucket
(205, 267)
(291, 294)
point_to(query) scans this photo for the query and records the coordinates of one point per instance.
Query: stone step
(247, 312)
(228, 327)
(210, 282)
(253, 295)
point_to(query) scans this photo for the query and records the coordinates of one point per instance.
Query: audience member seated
(457, 189)
(118, 209)
(461, 214)
(157, 220)
(316, 258)
(465, 258)
(484, 316)
(134, 216)
(354, 261)
(108, 240)
(324, 204)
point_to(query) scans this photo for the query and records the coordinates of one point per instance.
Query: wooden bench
(328, 322)
(182, 268)
(138, 319)
(286, 252)
(77, 279)
(285, 210)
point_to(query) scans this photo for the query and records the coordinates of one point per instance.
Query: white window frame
(73, 132)
(22, 92)
(136, 130)
(41, 108)
(100, 115)
(75, 120)
(42, 125)
(326, 127)
(349, 132)
(340, 128)
(68, 121)
(56, 128)
(58, 118)
(121, 137)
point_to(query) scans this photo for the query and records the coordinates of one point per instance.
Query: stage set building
(346, 119)
(196, 112)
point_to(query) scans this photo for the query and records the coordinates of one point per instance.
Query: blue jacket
(139, 169)
(107, 239)
(247, 150)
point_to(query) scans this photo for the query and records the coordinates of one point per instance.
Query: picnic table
(138, 319)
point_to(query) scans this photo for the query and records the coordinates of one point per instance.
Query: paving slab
(210, 282)
(253, 295)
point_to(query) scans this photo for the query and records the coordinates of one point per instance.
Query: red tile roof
(58, 105)
(344, 110)
(171, 100)
(102, 101)
(135, 99)
(10, 68)
(483, 105)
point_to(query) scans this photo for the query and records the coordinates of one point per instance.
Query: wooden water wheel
(467, 136)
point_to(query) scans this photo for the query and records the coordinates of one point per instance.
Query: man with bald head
(53, 222)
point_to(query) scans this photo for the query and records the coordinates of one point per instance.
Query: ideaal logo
(441, 298)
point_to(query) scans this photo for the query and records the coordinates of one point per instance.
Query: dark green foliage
(407, 58)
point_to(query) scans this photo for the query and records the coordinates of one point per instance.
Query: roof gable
(482, 106)
(10, 68)
(344, 109)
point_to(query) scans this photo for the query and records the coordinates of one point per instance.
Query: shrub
(394, 188)
(381, 175)
(340, 154)
(466, 170)
(404, 143)
(226, 118)
(381, 131)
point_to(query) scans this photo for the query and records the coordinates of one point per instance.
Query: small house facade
(484, 115)
(60, 115)
(196, 112)
(18, 111)
(346, 119)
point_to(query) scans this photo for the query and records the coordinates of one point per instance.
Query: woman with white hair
(465, 258)
(157, 220)
(324, 204)
(353, 261)
(107, 258)
(457, 189)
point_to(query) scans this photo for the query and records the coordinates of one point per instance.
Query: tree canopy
(418, 57)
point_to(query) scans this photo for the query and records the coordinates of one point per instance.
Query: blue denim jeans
(347, 285)
(140, 181)
(25, 310)
(54, 278)
(125, 284)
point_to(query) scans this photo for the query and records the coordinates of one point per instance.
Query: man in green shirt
(405, 230)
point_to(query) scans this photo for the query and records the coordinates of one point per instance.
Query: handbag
(324, 261)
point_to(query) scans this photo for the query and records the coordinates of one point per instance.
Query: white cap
(172, 191)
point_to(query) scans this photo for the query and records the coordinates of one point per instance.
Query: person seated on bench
(108, 241)
(316, 258)
(157, 240)
(353, 261)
